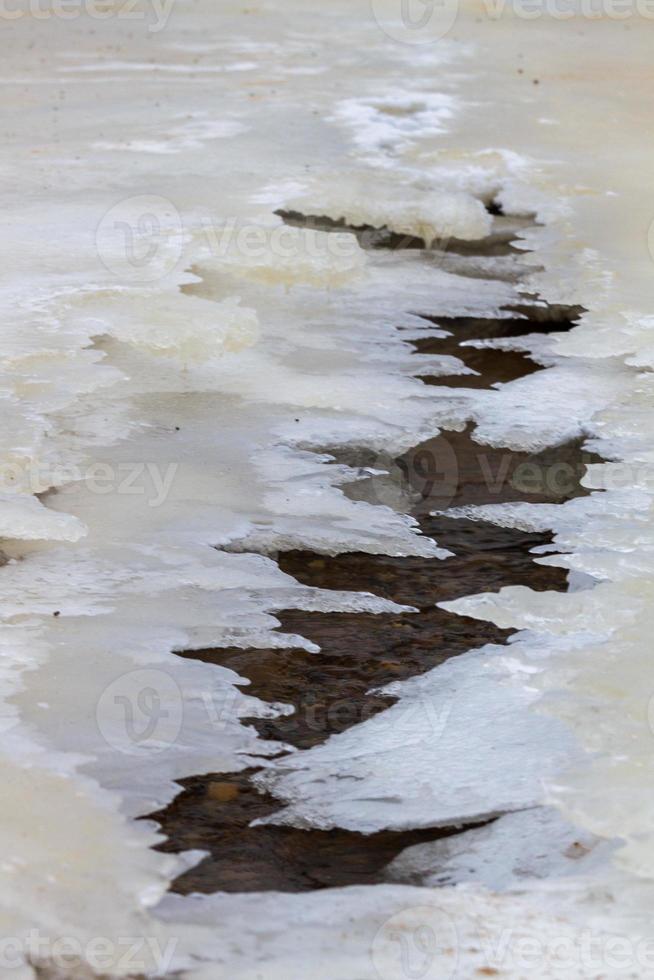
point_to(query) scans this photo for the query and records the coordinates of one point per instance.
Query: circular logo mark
(418, 943)
(415, 21)
(141, 239)
(389, 483)
(424, 479)
(140, 712)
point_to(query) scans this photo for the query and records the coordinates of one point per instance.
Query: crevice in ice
(486, 366)
(494, 207)
(518, 320)
(216, 815)
(443, 472)
(326, 693)
(499, 241)
(334, 689)
(338, 688)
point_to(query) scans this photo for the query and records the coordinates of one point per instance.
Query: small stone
(223, 792)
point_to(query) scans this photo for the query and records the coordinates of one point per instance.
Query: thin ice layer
(453, 724)
(505, 855)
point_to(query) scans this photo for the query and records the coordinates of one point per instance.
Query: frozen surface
(412, 765)
(177, 363)
(504, 855)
